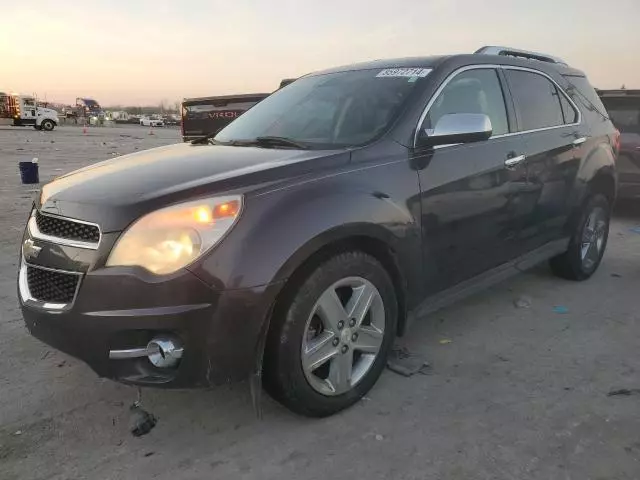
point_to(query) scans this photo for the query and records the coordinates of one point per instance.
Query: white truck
(23, 110)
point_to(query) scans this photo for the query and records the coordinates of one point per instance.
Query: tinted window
(568, 110)
(473, 91)
(581, 91)
(537, 100)
(624, 113)
(329, 110)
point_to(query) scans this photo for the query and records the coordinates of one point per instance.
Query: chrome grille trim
(36, 233)
(28, 299)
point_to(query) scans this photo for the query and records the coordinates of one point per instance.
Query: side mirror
(458, 128)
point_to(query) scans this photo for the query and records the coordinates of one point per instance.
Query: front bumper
(125, 308)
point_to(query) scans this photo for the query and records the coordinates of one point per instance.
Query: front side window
(537, 100)
(472, 91)
(331, 110)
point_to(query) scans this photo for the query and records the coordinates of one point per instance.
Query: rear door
(624, 110)
(471, 199)
(553, 138)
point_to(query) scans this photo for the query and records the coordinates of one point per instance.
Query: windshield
(330, 110)
(624, 113)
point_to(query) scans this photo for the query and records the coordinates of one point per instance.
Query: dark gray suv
(294, 245)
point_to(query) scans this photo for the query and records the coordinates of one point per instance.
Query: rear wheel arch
(603, 183)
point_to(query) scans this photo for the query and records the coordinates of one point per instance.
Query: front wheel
(329, 342)
(588, 242)
(47, 125)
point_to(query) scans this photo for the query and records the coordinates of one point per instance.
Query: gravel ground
(512, 392)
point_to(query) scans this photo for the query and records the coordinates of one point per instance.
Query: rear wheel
(328, 344)
(588, 243)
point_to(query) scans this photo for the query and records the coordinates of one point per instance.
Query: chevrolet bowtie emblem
(29, 249)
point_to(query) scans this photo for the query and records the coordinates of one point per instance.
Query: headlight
(171, 238)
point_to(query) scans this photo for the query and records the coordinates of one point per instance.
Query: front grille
(67, 229)
(51, 286)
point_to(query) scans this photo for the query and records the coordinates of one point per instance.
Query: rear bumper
(119, 309)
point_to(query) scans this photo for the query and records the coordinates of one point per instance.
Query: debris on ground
(379, 437)
(148, 454)
(522, 302)
(635, 229)
(445, 341)
(616, 275)
(142, 422)
(18, 432)
(560, 309)
(405, 363)
(624, 392)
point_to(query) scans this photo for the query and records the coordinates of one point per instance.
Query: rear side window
(537, 100)
(472, 91)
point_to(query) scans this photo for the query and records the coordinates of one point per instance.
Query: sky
(141, 52)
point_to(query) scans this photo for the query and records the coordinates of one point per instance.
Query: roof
(406, 62)
(461, 59)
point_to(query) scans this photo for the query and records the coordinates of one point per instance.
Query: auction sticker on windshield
(404, 72)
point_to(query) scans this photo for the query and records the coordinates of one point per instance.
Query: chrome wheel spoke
(585, 250)
(331, 310)
(339, 379)
(369, 339)
(319, 351)
(360, 302)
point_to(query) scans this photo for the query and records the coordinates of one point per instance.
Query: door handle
(579, 141)
(514, 161)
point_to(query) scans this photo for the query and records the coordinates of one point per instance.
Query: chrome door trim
(503, 135)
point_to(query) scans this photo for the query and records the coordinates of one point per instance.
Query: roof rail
(515, 52)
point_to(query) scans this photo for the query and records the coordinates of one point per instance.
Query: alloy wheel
(343, 336)
(593, 236)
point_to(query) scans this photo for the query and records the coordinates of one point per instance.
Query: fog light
(164, 352)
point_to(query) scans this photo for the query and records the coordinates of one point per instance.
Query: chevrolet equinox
(296, 243)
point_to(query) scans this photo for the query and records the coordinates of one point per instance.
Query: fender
(287, 224)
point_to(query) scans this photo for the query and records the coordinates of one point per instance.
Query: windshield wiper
(205, 138)
(280, 141)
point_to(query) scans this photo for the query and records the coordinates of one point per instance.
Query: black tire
(570, 264)
(284, 377)
(47, 125)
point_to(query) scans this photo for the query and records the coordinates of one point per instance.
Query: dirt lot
(512, 393)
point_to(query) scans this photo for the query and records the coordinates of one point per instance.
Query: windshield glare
(326, 111)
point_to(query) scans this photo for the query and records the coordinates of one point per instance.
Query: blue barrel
(29, 172)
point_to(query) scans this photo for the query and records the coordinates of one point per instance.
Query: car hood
(115, 192)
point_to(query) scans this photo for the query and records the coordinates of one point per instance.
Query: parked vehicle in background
(300, 240)
(23, 111)
(206, 115)
(151, 122)
(623, 107)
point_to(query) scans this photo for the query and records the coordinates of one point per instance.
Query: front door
(471, 194)
(28, 111)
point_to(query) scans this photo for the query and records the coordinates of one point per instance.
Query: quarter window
(472, 91)
(568, 110)
(537, 100)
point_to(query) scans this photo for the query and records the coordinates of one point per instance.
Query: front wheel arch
(312, 254)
